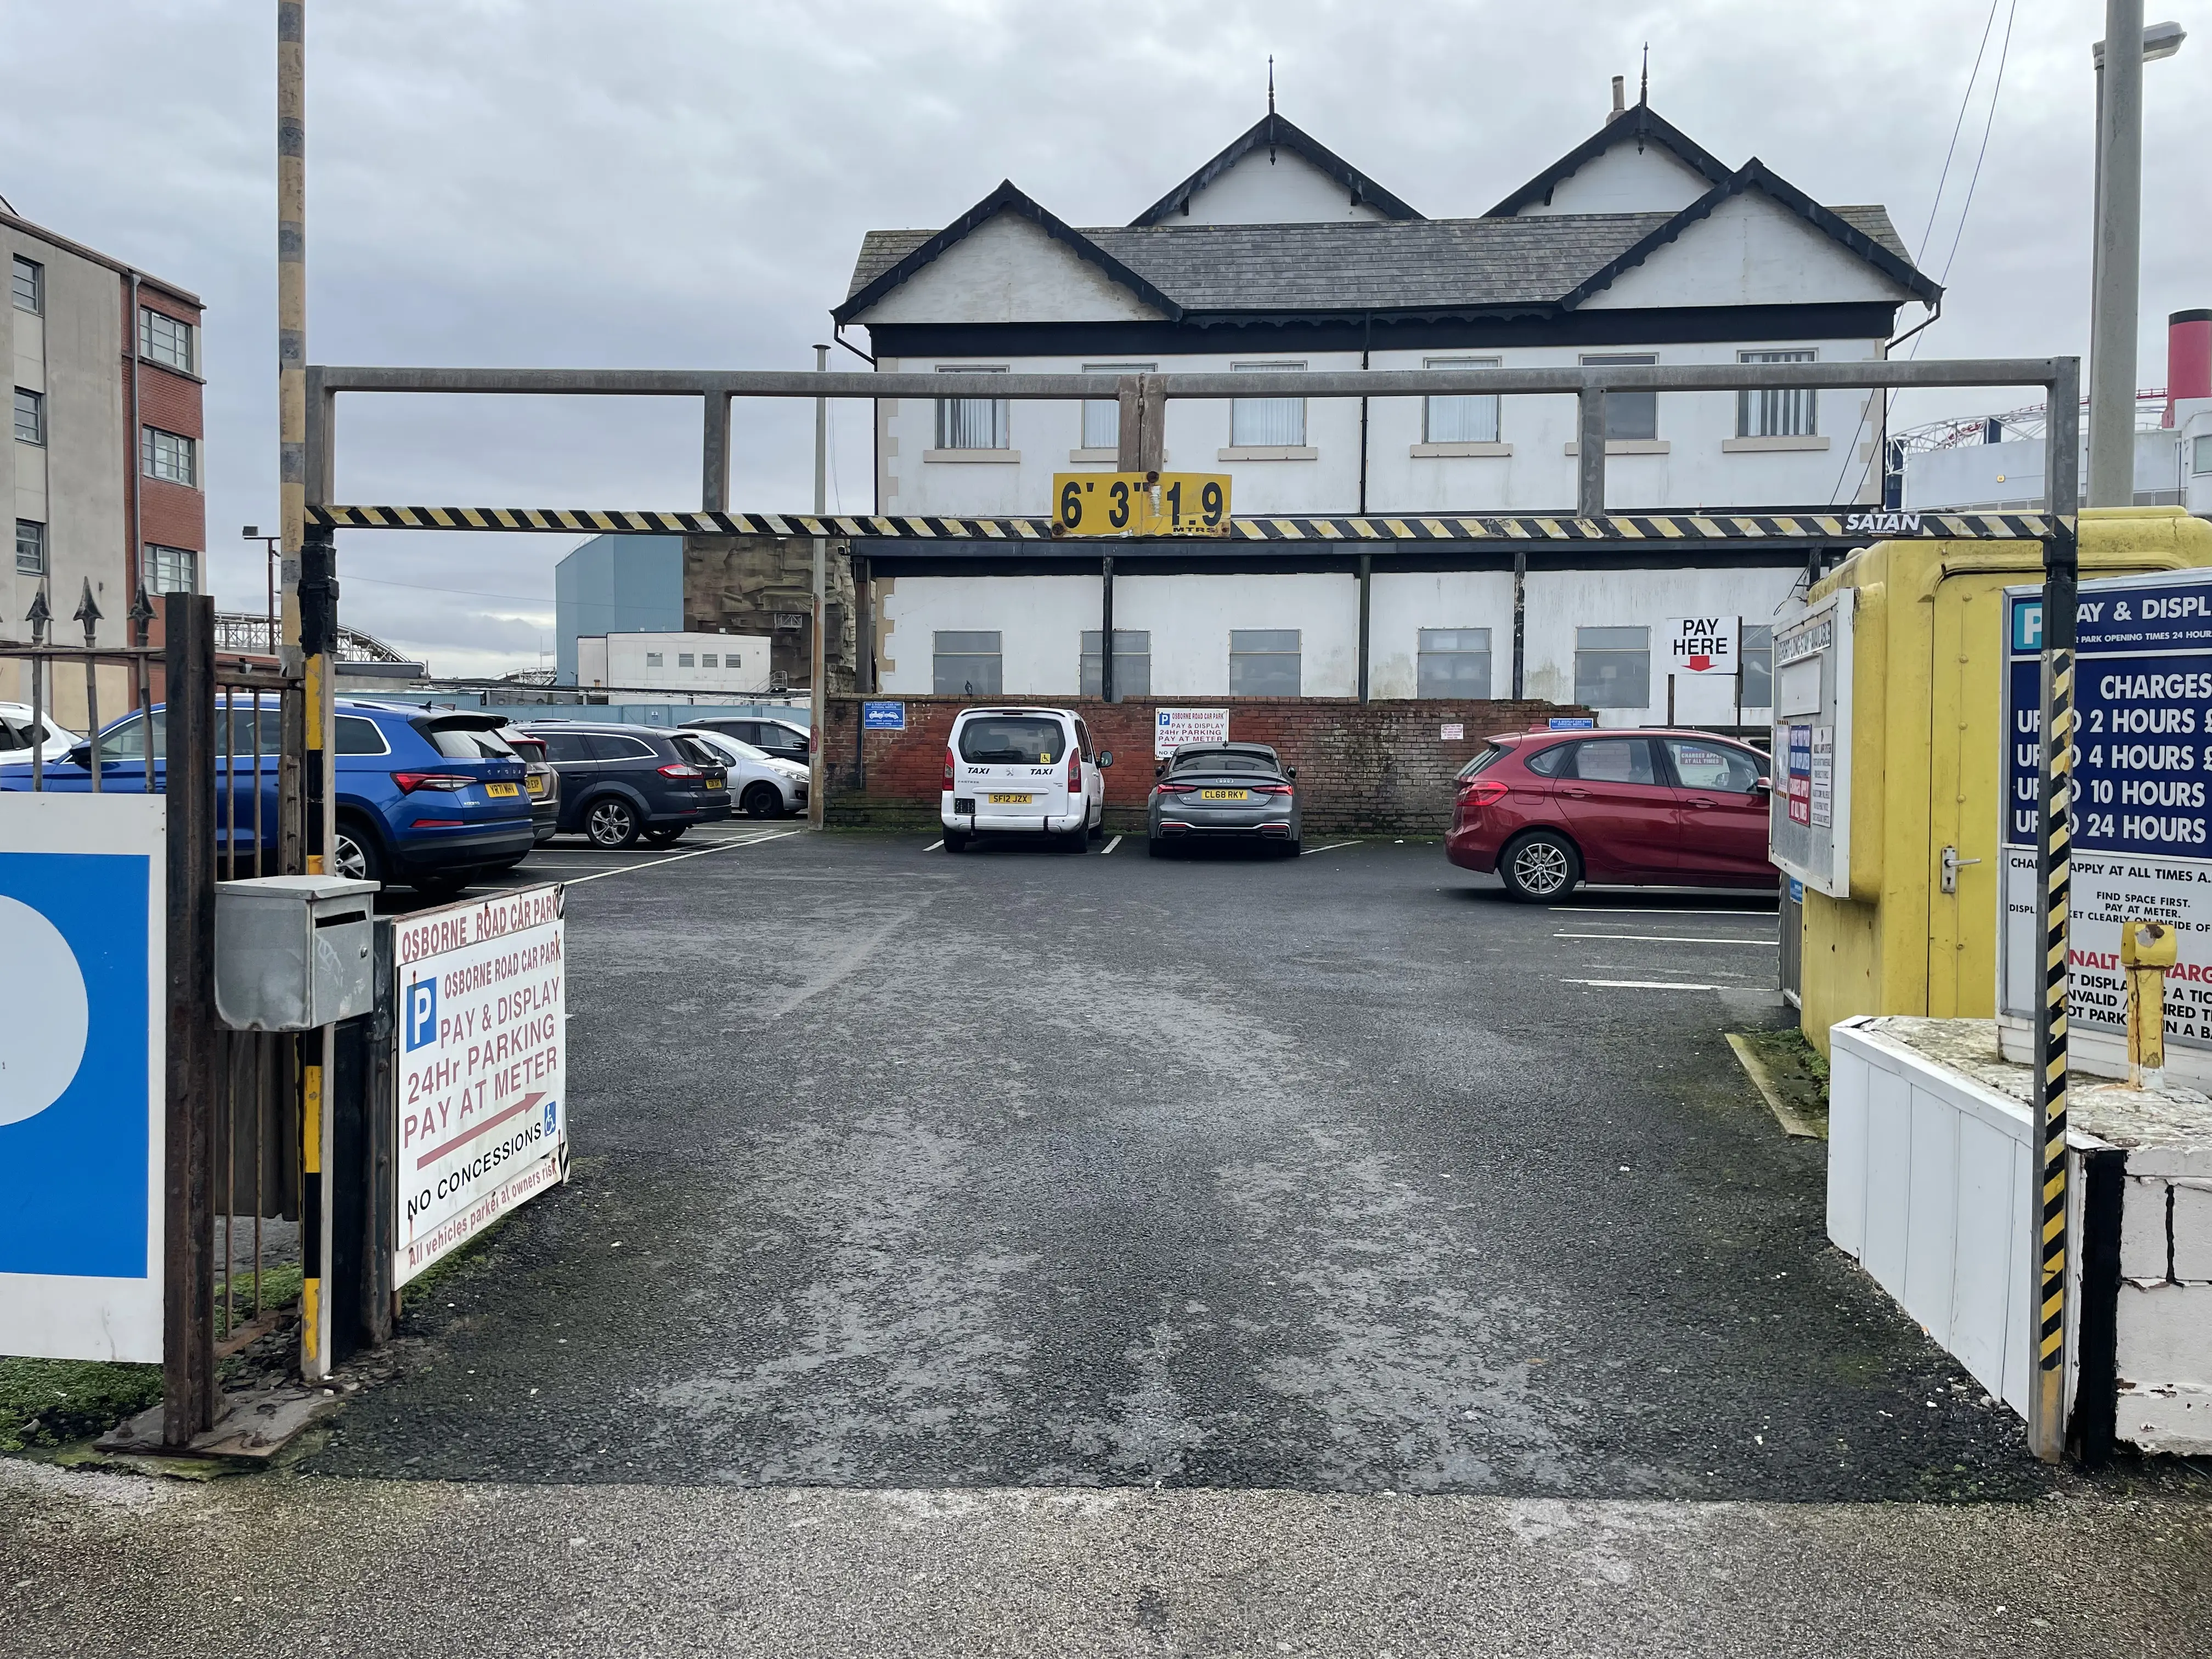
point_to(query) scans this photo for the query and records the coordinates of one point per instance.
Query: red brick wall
(1375, 768)
(170, 514)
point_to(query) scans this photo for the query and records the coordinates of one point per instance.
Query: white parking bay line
(1670, 938)
(1628, 915)
(1331, 847)
(1638, 985)
(678, 857)
(932, 847)
(1110, 847)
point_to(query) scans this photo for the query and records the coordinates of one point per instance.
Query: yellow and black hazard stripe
(1823, 526)
(2050, 1188)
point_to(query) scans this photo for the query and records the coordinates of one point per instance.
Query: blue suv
(427, 798)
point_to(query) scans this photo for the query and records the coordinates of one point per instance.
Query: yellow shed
(1927, 695)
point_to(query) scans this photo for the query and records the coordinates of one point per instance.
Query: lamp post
(2116, 265)
(272, 552)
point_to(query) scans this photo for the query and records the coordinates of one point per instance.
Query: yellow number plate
(537, 784)
(713, 783)
(1126, 504)
(1225, 794)
(501, 789)
(1010, 800)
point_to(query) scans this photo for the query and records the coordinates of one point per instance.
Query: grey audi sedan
(1226, 792)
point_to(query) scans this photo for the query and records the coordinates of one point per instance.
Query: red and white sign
(1702, 645)
(483, 1115)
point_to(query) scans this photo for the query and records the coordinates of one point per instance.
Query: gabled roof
(1645, 126)
(1004, 200)
(1883, 255)
(1275, 131)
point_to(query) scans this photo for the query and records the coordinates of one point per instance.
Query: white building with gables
(1636, 246)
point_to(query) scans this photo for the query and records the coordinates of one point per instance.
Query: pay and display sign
(2141, 817)
(1174, 727)
(482, 1099)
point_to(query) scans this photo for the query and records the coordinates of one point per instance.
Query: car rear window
(612, 745)
(565, 746)
(1013, 740)
(357, 735)
(1489, 757)
(1215, 760)
(1547, 762)
(692, 749)
(469, 743)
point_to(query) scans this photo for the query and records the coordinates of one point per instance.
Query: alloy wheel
(612, 823)
(1540, 868)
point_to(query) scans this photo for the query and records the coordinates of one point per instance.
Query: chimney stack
(2188, 358)
(1620, 98)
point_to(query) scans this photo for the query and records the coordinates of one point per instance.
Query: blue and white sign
(883, 716)
(1572, 723)
(82, 947)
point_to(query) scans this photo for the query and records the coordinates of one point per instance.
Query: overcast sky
(660, 182)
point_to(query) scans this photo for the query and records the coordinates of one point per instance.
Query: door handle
(1702, 803)
(1575, 794)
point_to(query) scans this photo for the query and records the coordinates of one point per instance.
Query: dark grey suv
(619, 783)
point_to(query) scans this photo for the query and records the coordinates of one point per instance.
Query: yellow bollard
(2147, 949)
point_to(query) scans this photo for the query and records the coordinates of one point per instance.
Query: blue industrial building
(615, 585)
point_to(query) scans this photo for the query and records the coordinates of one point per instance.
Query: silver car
(760, 785)
(1226, 792)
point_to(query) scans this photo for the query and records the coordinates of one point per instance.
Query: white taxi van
(1021, 772)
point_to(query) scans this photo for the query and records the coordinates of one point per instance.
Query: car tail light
(1484, 792)
(1074, 773)
(1272, 789)
(948, 766)
(437, 824)
(1173, 788)
(409, 782)
(679, 769)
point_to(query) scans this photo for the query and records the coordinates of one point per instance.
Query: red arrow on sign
(1699, 664)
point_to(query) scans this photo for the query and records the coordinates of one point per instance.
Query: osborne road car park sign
(1174, 727)
(83, 938)
(483, 1108)
(2142, 808)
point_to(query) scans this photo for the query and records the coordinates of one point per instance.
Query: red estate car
(1546, 810)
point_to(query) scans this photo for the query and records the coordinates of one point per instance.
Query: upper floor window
(29, 280)
(1459, 419)
(1266, 422)
(1102, 417)
(170, 456)
(1454, 662)
(971, 422)
(163, 339)
(172, 570)
(1632, 414)
(30, 415)
(967, 662)
(30, 548)
(2203, 448)
(1263, 662)
(1776, 412)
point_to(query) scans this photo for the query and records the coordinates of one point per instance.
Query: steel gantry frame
(1144, 398)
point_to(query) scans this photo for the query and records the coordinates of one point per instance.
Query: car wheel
(761, 800)
(1290, 849)
(1156, 847)
(1541, 867)
(955, 840)
(666, 836)
(610, 822)
(357, 856)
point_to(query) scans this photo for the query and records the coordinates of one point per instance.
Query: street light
(2117, 248)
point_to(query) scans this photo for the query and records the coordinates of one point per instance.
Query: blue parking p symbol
(422, 1013)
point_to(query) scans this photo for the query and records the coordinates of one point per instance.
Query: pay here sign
(483, 1114)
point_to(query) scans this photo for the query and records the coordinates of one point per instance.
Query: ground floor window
(1133, 663)
(172, 570)
(967, 663)
(1757, 665)
(30, 548)
(1454, 662)
(1612, 667)
(1263, 662)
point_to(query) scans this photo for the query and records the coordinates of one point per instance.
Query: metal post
(1128, 436)
(87, 612)
(2119, 264)
(714, 471)
(291, 309)
(1153, 451)
(1590, 455)
(1366, 571)
(2048, 1268)
(1106, 628)
(818, 689)
(318, 606)
(1520, 622)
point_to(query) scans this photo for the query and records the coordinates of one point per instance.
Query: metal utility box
(294, 952)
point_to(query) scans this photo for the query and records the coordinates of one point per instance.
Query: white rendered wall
(1290, 191)
(625, 665)
(1626, 179)
(1749, 251)
(1403, 602)
(1009, 267)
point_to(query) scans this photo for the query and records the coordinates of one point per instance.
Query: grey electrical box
(293, 952)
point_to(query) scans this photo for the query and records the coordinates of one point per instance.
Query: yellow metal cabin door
(1964, 777)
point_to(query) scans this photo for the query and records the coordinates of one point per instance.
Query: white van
(1021, 772)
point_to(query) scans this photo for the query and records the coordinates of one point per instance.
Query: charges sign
(482, 1119)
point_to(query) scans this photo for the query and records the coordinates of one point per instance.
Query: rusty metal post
(87, 612)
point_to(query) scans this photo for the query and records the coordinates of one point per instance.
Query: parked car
(619, 783)
(427, 799)
(783, 740)
(761, 785)
(1547, 811)
(1021, 772)
(1226, 792)
(541, 782)
(15, 729)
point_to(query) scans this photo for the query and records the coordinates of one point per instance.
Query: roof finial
(1643, 91)
(1270, 83)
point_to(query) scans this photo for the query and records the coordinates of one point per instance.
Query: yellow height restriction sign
(1140, 503)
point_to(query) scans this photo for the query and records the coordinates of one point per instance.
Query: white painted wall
(1287, 191)
(741, 661)
(1626, 178)
(1561, 601)
(1403, 602)
(1749, 251)
(1008, 267)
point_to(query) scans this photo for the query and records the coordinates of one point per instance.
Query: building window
(653, 659)
(971, 422)
(163, 339)
(172, 570)
(2202, 448)
(967, 663)
(1628, 414)
(30, 548)
(29, 281)
(1758, 670)
(683, 660)
(170, 456)
(706, 659)
(1460, 420)
(1776, 413)
(1263, 662)
(30, 417)
(1266, 422)
(1612, 667)
(1454, 662)
(1102, 417)
(1133, 663)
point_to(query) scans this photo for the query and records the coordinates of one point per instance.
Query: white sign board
(83, 1016)
(1809, 816)
(1174, 727)
(482, 1117)
(1702, 645)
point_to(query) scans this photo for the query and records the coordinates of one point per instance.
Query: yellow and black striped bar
(1824, 525)
(2047, 1413)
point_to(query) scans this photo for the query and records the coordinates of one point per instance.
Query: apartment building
(108, 465)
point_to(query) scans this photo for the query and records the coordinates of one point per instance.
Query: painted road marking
(1670, 938)
(752, 841)
(1629, 913)
(932, 847)
(1110, 847)
(1637, 985)
(1331, 847)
